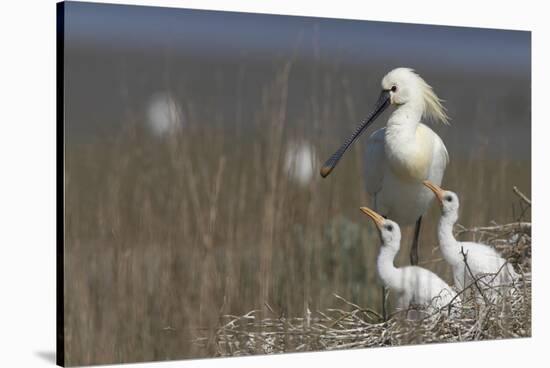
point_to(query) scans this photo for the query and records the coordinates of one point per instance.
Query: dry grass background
(166, 236)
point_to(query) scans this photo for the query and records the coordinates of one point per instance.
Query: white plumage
(481, 258)
(414, 285)
(397, 190)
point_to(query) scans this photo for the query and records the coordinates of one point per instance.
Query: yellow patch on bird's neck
(412, 161)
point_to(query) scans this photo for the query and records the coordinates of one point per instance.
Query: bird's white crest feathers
(434, 109)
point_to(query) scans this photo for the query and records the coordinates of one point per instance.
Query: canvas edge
(60, 198)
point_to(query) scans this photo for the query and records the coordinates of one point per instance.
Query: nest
(508, 315)
(360, 328)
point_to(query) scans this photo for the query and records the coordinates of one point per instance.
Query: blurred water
(119, 57)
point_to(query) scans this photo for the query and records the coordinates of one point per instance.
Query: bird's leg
(414, 248)
(384, 289)
(384, 298)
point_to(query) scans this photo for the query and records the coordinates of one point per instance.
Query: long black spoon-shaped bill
(381, 105)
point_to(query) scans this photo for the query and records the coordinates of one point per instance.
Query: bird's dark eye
(393, 88)
(449, 199)
(389, 227)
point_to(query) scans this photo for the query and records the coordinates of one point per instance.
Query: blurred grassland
(164, 236)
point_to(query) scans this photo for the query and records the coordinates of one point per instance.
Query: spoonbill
(402, 155)
(413, 284)
(481, 258)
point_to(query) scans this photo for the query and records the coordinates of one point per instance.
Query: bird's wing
(482, 258)
(442, 150)
(427, 286)
(375, 161)
(439, 161)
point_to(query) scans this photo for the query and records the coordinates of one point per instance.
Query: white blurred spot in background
(300, 162)
(163, 114)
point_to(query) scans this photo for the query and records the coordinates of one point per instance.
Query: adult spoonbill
(481, 258)
(402, 155)
(413, 284)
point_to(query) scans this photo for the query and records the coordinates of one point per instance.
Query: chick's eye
(449, 199)
(393, 88)
(389, 227)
